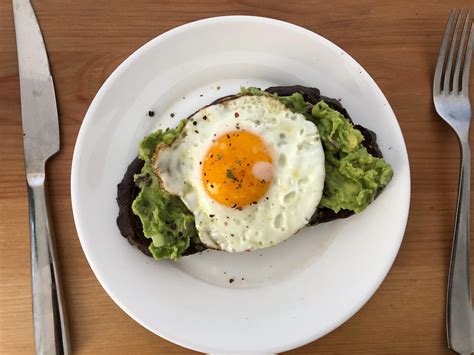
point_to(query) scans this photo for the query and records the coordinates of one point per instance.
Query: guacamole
(353, 176)
(165, 218)
(353, 179)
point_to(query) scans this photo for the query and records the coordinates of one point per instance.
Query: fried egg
(249, 169)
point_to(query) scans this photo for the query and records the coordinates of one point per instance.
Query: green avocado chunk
(165, 218)
(337, 133)
(353, 180)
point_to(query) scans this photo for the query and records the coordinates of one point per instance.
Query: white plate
(281, 297)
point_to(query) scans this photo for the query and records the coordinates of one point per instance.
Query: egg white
(295, 190)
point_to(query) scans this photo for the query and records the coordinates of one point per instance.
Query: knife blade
(40, 142)
(38, 100)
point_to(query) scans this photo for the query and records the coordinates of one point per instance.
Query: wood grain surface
(396, 41)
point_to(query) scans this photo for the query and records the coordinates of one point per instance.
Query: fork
(451, 100)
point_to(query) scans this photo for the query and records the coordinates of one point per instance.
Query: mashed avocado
(165, 218)
(353, 177)
(337, 133)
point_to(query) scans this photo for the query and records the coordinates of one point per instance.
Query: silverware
(451, 99)
(40, 141)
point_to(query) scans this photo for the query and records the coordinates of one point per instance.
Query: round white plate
(281, 297)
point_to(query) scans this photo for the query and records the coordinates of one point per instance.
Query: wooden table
(396, 41)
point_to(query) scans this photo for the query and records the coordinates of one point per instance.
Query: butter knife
(40, 142)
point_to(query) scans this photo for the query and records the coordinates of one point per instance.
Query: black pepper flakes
(196, 131)
(172, 114)
(204, 118)
(211, 215)
(231, 280)
(236, 114)
(195, 123)
(151, 113)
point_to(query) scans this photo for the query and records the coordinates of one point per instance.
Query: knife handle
(50, 325)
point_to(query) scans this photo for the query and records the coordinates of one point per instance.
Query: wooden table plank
(397, 42)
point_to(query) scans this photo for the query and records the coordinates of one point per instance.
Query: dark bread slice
(130, 225)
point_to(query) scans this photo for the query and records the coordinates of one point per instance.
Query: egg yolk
(237, 169)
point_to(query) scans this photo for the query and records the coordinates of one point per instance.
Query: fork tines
(448, 80)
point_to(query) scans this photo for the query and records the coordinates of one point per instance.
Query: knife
(40, 142)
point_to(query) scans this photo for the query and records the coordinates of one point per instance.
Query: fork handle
(50, 326)
(459, 312)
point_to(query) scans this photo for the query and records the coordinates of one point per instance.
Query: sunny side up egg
(249, 169)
